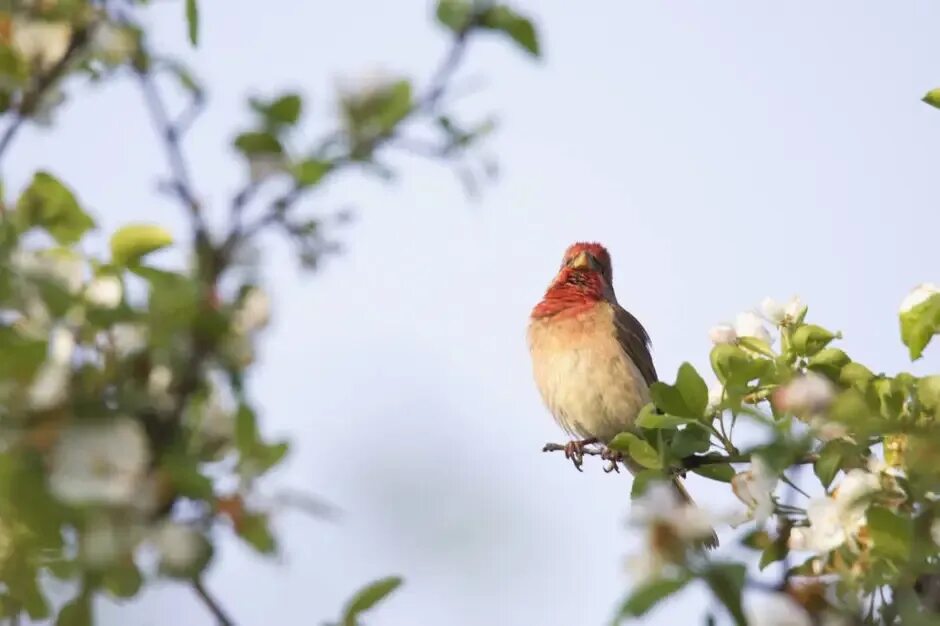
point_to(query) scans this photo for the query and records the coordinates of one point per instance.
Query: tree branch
(690, 462)
(33, 97)
(221, 617)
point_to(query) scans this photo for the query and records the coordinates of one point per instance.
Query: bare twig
(33, 97)
(221, 617)
(689, 462)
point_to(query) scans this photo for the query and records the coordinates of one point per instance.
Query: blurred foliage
(127, 428)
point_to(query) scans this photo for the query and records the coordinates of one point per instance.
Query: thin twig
(170, 133)
(689, 462)
(221, 617)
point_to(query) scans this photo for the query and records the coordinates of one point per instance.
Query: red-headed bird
(590, 356)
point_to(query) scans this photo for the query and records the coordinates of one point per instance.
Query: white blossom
(794, 308)
(935, 531)
(104, 292)
(827, 430)
(772, 311)
(755, 488)
(62, 266)
(103, 542)
(128, 338)
(113, 43)
(837, 519)
(722, 333)
(180, 547)
(158, 387)
(364, 86)
(920, 294)
(253, 313)
(778, 609)
(806, 395)
(61, 345)
(49, 387)
(101, 462)
(41, 42)
(749, 324)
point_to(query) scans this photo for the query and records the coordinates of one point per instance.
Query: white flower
(365, 86)
(180, 547)
(50, 386)
(61, 345)
(102, 462)
(253, 314)
(778, 609)
(749, 324)
(40, 42)
(722, 333)
(660, 505)
(755, 488)
(837, 519)
(772, 310)
(794, 308)
(128, 338)
(920, 294)
(935, 530)
(104, 542)
(716, 395)
(104, 292)
(158, 387)
(62, 266)
(806, 395)
(827, 430)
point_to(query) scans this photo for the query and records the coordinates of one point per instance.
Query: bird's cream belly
(591, 392)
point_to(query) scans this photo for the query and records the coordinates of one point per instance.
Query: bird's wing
(635, 342)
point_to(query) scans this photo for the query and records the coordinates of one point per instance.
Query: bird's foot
(613, 458)
(574, 451)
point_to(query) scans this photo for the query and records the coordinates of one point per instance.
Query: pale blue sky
(722, 151)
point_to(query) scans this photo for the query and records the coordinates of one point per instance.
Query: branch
(170, 132)
(221, 617)
(691, 461)
(33, 97)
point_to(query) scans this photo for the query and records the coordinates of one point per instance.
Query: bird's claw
(574, 451)
(613, 459)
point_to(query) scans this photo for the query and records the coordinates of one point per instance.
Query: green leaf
(646, 596)
(689, 441)
(454, 14)
(309, 172)
(809, 339)
(855, 374)
(726, 581)
(24, 588)
(192, 21)
(887, 395)
(253, 528)
(282, 111)
(186, 478)
(123, 581)
(928, 394)
(638, 449)
(246, 429)
(829, 462)
(256, 143)
(774, 552)
(76, 612)
(693, 389)
(756, 345)
(367, 597)
(649, 418)
(132, 242)
(920, 324)
(49, 204)
(891, 534)
(721, 472)
(829, 362)
(643, 479)
(518, 28)
(734, 367)
(932, 97)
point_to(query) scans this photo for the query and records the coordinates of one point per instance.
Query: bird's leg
(613, 459)
(574, 450)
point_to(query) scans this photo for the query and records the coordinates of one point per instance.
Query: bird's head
(583, 279)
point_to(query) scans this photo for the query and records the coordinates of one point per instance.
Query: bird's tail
(709, 542)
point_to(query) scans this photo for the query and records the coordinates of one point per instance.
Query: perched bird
(590, 356)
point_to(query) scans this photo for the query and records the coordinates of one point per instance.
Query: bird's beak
(580, 262)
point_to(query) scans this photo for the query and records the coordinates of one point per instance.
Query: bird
(591, 357)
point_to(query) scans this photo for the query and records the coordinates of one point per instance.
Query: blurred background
(723, 152)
